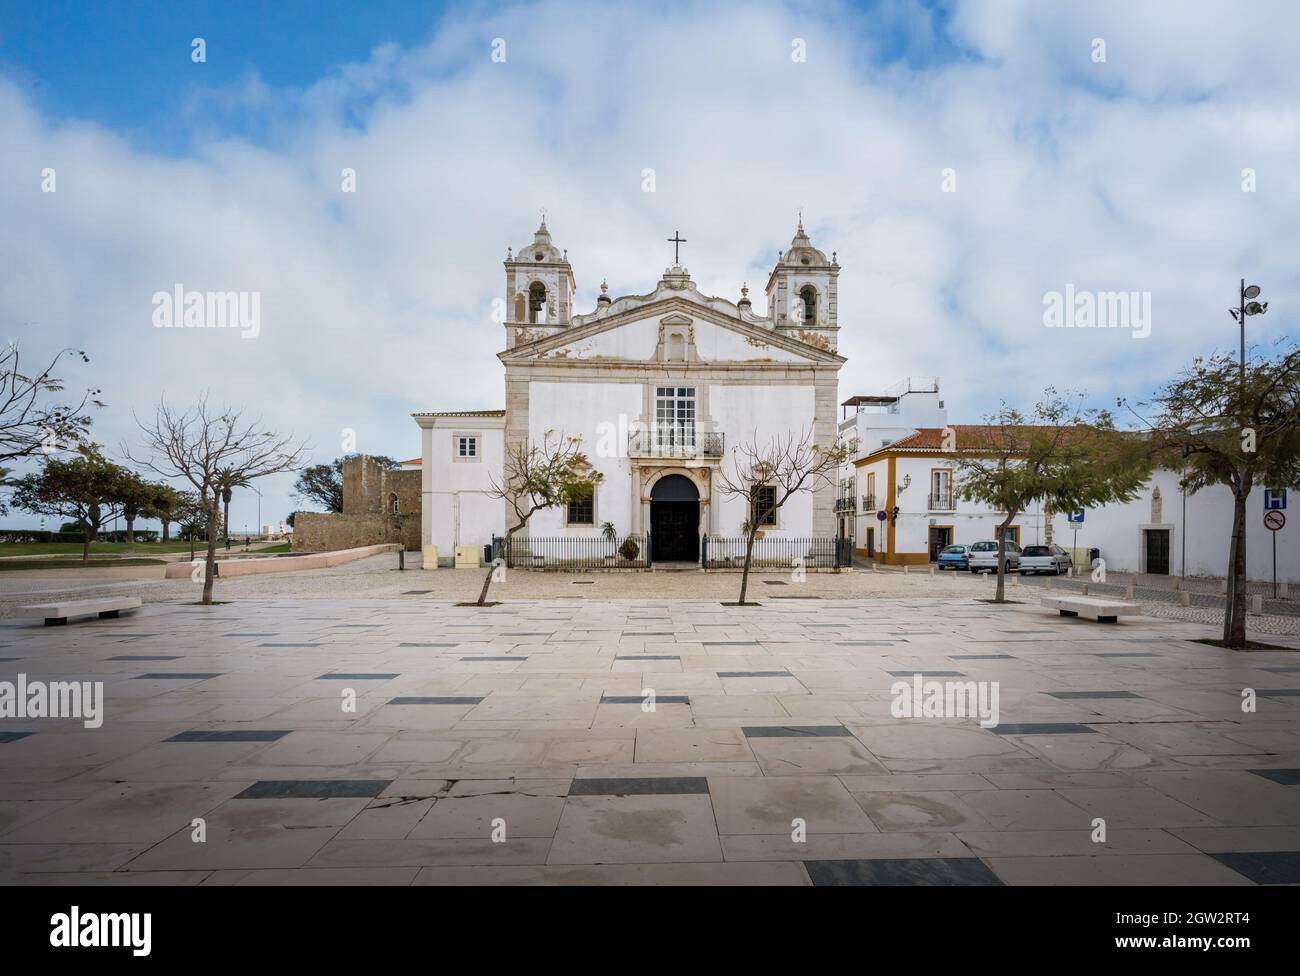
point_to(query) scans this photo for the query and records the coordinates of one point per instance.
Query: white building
(660, 387)
(1162, 531)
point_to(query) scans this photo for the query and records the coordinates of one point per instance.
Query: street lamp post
(1246, 305)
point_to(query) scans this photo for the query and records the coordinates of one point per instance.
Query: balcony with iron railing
(941, 502)
(675, 442)
(868, 503)
(845, 503)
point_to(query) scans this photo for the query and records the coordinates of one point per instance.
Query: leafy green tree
(323, 483)
(163, 504)
(87, 488)
(134, 496)
(535, 477)
(1226, 426)
(1060, 454)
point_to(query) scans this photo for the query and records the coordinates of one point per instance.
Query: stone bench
(1094, 608)
(58, 613)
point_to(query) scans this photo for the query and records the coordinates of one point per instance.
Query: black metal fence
(567, 553)
(724, 552)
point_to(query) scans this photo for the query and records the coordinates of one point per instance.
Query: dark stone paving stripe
(1083, 695)
(774, 583)
(1287, 777)
(1290, 669)
(981, 657)
(638, 699)
(436, 700)
(358, 625)
(928, 674)
(1277, 692)
(237, 735)
(13, 736)
(755, 674)
(146, 657)
(178, 676)
(359, 676)
(313, 789)
(1264, 867)
(871, 643)
(1042, 728)
(795, 731)
(495, 657)
(902, 871)
(637, 786)
(647, 633)
(288, 645)
(6, 660)
(647, 657)
(416, 592)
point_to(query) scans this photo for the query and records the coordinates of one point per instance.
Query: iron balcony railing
(675, 442)
(845, 503)
(868, 503)
(941, 502)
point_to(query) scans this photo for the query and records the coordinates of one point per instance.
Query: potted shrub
(629, 550)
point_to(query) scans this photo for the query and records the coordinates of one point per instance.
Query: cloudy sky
(1112, 146)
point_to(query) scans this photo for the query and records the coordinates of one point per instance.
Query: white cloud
(1123, 175)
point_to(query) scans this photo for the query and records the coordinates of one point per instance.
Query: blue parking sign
(1275, 499)
(1075, 517)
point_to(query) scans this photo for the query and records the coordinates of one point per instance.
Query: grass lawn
(102, 548)
(15, 565)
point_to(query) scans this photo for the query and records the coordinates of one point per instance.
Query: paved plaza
(515, 744)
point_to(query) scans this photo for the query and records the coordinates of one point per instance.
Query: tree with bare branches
(535, 477)
(768, 474)
(28, 422)
(210, 448)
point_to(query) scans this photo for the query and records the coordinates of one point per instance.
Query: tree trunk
(999, 595)
(85, 544)
(749, 554)
(210, 567)
(166, 524)
(130, 530)
(492, 568)
(226, 525)
(1234, 616)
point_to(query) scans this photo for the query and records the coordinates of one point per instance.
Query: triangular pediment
(638, 335)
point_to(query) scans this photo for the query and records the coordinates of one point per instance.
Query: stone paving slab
(583, 740)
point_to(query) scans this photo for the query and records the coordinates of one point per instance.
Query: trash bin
(1093, 555)
(487, 554)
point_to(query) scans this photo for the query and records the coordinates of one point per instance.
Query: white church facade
(659, 387)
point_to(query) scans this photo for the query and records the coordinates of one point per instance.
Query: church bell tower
(539, 289)
(802, 294)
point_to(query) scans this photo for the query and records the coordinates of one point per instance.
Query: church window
(392, 503)
(582, 511)
(536, 302)
(764, 505)
(466, 446)
(675, 417)
(809, 296)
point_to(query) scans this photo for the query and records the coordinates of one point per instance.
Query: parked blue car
(954, 557)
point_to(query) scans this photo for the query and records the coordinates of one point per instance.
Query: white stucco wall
(456, 509)
(580, 408)
(637, 342)
(1206, 533)
(757, 413)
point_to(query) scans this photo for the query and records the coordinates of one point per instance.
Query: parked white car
(983, 557)
(1045, 559)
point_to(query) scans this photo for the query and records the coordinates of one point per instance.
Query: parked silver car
(983, 557)
(1045, 559)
